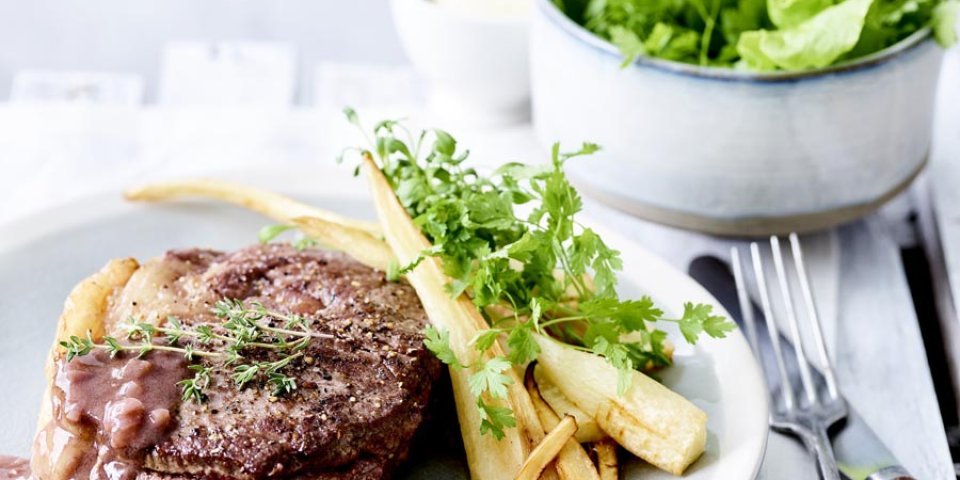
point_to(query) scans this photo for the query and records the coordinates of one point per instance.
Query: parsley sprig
(511, 242)
(226, 345)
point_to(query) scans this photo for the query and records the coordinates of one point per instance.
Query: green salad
(761, 35)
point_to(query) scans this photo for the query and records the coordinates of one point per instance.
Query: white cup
(475, 61)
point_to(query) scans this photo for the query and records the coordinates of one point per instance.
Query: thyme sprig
(228, 345)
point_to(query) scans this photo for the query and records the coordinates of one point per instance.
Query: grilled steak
(361, 392)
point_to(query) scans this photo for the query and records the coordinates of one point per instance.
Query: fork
(810, 413)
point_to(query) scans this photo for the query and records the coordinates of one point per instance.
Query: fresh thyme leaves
(193, 388)
(536, 272)
(80, 346)
(245, 328)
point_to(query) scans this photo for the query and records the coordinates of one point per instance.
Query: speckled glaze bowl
(731, 152)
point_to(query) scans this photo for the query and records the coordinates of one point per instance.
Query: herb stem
(581, 289)
(555, 321)
(565, 310)
(190, 333)
(710, 23)
(271, 346)
(293, 333)
(283, 362)
(284, 331)
(199, 353)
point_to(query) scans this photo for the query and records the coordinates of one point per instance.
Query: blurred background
(131, 37)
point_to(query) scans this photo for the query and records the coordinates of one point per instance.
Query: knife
(860, 454)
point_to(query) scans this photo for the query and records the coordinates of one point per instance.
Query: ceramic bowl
(475, 62)
(732, 152)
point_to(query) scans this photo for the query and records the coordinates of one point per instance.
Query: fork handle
(819, 444)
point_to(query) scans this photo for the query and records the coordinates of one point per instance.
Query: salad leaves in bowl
(761, 35)
(794, 135)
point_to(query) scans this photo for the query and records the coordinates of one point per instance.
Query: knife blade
(861, 455)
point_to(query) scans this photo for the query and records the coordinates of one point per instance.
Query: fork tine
(772, 330)
(811, 308)
(805, 375)
(746, 309)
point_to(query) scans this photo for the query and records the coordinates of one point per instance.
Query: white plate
(43, 256)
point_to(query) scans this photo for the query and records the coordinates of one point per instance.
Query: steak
(362, 390)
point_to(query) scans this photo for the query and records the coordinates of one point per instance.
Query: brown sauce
(14, 468)
(119, 407)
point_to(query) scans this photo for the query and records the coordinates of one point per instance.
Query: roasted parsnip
(361, 240)
(573, 462)
(487, 457)
(606, 451)
(548, 449)
(359, 244)
(648, 419)
(278, 207)
(588, 430)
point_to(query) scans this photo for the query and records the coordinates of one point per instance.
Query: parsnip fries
(606, 451)
(359, 244)
(649, 420)
(488, 457)
(548, 449)
(573, 462)
(361, 240)
(588, 430)
(273, 205)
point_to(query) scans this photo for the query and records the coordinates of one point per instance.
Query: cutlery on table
(806, 401)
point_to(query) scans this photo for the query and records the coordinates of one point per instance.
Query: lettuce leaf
(672, 43)
(628, 42)
(744, 16)
(814, 43)
(664, 41)
(790, 13)
(761, 34)
(944, 22)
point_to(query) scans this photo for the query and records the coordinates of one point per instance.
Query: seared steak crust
(360, 396)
